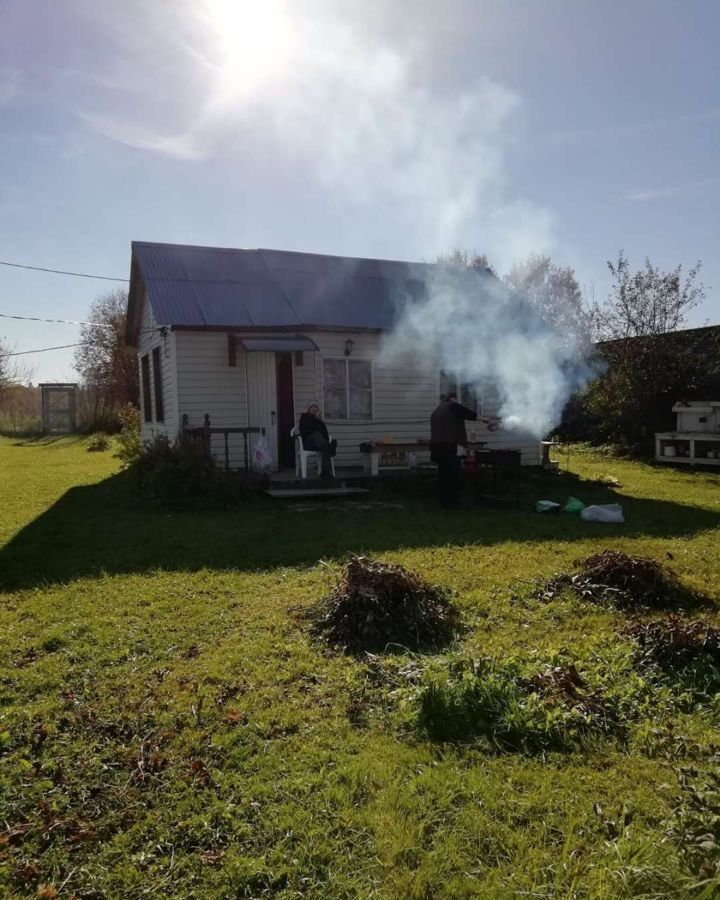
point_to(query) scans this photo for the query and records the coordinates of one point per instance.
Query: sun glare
(252, 39)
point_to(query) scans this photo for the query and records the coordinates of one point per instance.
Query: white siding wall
(150, 338)
(402, 398)
(207, 383)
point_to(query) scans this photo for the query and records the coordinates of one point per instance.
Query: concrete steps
(303, 491)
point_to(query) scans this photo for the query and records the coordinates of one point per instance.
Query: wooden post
(72, 424)
(207, 437)
(45, 411)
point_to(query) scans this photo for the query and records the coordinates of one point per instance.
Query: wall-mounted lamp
(164, 331)
(349, 344)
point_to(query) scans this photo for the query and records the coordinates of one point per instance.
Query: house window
(145, 378)
(157, 382)
(347, 389)
(467, 391)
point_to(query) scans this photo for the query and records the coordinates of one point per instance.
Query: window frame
(146, 390)
(158, 386)
(448, 381)
(347, 360)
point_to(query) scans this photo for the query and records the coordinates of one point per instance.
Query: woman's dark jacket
(310, 424)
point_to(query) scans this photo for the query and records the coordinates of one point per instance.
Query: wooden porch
(349, 481)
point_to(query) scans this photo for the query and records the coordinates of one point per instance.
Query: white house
(252, 337)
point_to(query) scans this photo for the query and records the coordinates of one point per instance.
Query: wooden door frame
(287, 458)
(250, 387)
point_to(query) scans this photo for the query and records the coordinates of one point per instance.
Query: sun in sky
(249, 44)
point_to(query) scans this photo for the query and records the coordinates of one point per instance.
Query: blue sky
(395, 129)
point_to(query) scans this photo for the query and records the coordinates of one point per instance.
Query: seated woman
(314, 435)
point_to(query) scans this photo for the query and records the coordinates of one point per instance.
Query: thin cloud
(670, 192)
(9, 84)
(629, 129)
(181, 146)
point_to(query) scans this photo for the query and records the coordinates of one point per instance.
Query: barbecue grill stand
(502, 463)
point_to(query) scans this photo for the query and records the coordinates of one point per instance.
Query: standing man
(447, 432)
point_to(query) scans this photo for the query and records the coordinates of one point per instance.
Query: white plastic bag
(543, 506)
(261, 455)
(610, 512)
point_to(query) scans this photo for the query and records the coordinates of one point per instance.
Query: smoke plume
(470, 324)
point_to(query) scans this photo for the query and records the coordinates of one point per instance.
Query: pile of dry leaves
(627, 581)
(375, 605)
(673, 641)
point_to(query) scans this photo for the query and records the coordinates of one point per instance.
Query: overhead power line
(163, 329)
(42, 350)
(54, 321)
(61, 272)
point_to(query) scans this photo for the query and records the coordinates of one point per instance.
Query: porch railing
(202, 437)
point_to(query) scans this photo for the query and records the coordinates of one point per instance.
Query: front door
(262, 399)
(285, 409)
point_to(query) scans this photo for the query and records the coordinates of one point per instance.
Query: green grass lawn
(168, 727)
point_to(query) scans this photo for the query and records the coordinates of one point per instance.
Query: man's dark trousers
(449, 475)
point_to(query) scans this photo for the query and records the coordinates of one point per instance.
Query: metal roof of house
(208, 287)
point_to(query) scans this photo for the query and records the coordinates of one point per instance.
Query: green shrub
(180, 475)
(129, 441)
(12, 424)
(493, 701)
(98, 442)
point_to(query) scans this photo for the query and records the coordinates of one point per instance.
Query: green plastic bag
(573, 505)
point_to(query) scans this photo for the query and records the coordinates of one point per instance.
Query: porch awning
(279, 344)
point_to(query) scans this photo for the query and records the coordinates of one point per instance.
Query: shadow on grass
(110, 527)
(43, 440)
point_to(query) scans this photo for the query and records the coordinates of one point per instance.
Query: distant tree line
(106, 365)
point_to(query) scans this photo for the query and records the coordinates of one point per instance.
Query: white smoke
(472, 325)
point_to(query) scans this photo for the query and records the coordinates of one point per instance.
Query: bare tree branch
(107, 366)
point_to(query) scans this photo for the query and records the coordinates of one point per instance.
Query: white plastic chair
(302, 455)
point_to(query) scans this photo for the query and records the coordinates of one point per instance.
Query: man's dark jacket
(447, 429)
(310, 424)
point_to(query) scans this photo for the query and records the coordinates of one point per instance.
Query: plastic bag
(610, 512)
(573, 505)
(547, 506)
(261, 455)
